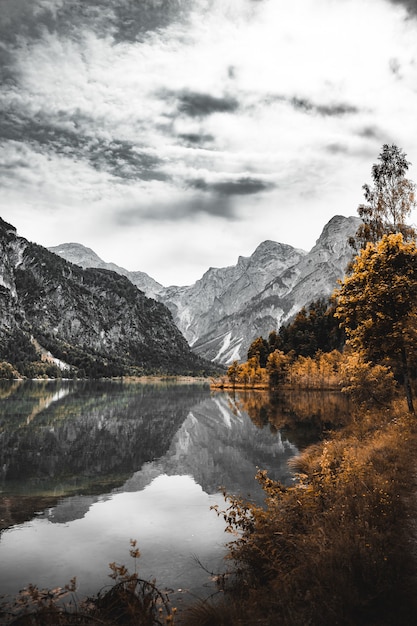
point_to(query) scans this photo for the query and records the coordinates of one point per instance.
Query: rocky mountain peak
(78, 254)
(274, 248)
(6, 228)
(86, 257)
(337, 231)
(279, 290)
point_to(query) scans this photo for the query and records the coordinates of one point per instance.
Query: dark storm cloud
(118, 157)
(196, 104)
(326, 110)
(123, 160)
(241, 187)
(23, 21)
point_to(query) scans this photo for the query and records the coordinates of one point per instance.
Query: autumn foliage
(377, 306)
(329, 549)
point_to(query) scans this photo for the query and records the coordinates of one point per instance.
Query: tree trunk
(407, 384)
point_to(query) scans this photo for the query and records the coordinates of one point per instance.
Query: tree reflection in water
(302, 417)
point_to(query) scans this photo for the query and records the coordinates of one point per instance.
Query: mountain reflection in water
(85, 466)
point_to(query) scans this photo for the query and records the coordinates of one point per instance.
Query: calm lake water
(87, 466)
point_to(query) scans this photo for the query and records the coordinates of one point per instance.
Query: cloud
(195, 139)
(121, 158)
(373, 133)
(331, 110)
(239, 187)
(185, 210)
(410, 5)
(173, 115)
(196, 104)
(125, 20)
(31, 20)
(135, 19)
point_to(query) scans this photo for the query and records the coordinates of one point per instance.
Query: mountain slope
(222, 292)
(94, 320)
(314, 276)
(85, 257)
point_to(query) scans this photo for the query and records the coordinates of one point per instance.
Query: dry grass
(334, 548)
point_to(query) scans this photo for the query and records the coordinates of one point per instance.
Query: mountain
(222, 292)
(311, 276)
(94, 321)
(223, 312)
(85, 257)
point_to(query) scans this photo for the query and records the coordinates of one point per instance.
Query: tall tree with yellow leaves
(377, 306)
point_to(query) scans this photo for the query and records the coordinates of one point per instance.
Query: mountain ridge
(86, 257)
(223, 311)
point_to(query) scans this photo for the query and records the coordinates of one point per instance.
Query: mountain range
(221, 314)
(92, 322)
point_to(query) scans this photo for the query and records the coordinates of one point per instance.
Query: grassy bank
(337, 547)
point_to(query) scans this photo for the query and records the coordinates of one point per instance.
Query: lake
(85, 466)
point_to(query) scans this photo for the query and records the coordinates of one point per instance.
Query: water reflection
(170, 517)
(66, 437)
(302, 417)
(88, 465)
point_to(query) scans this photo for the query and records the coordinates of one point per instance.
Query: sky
(171, 136)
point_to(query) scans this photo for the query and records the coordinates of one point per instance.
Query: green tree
(389, 200)
(377, 305)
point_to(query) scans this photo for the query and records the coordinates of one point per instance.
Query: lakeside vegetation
(338, 546)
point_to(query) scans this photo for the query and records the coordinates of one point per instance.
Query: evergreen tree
(314, 328)
(259, 348)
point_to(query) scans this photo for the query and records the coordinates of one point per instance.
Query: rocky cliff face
(314, 275)
(223, 292)
(260, 293)
(94, 320)
(227, 308)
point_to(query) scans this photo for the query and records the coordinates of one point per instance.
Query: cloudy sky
(175, 135)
